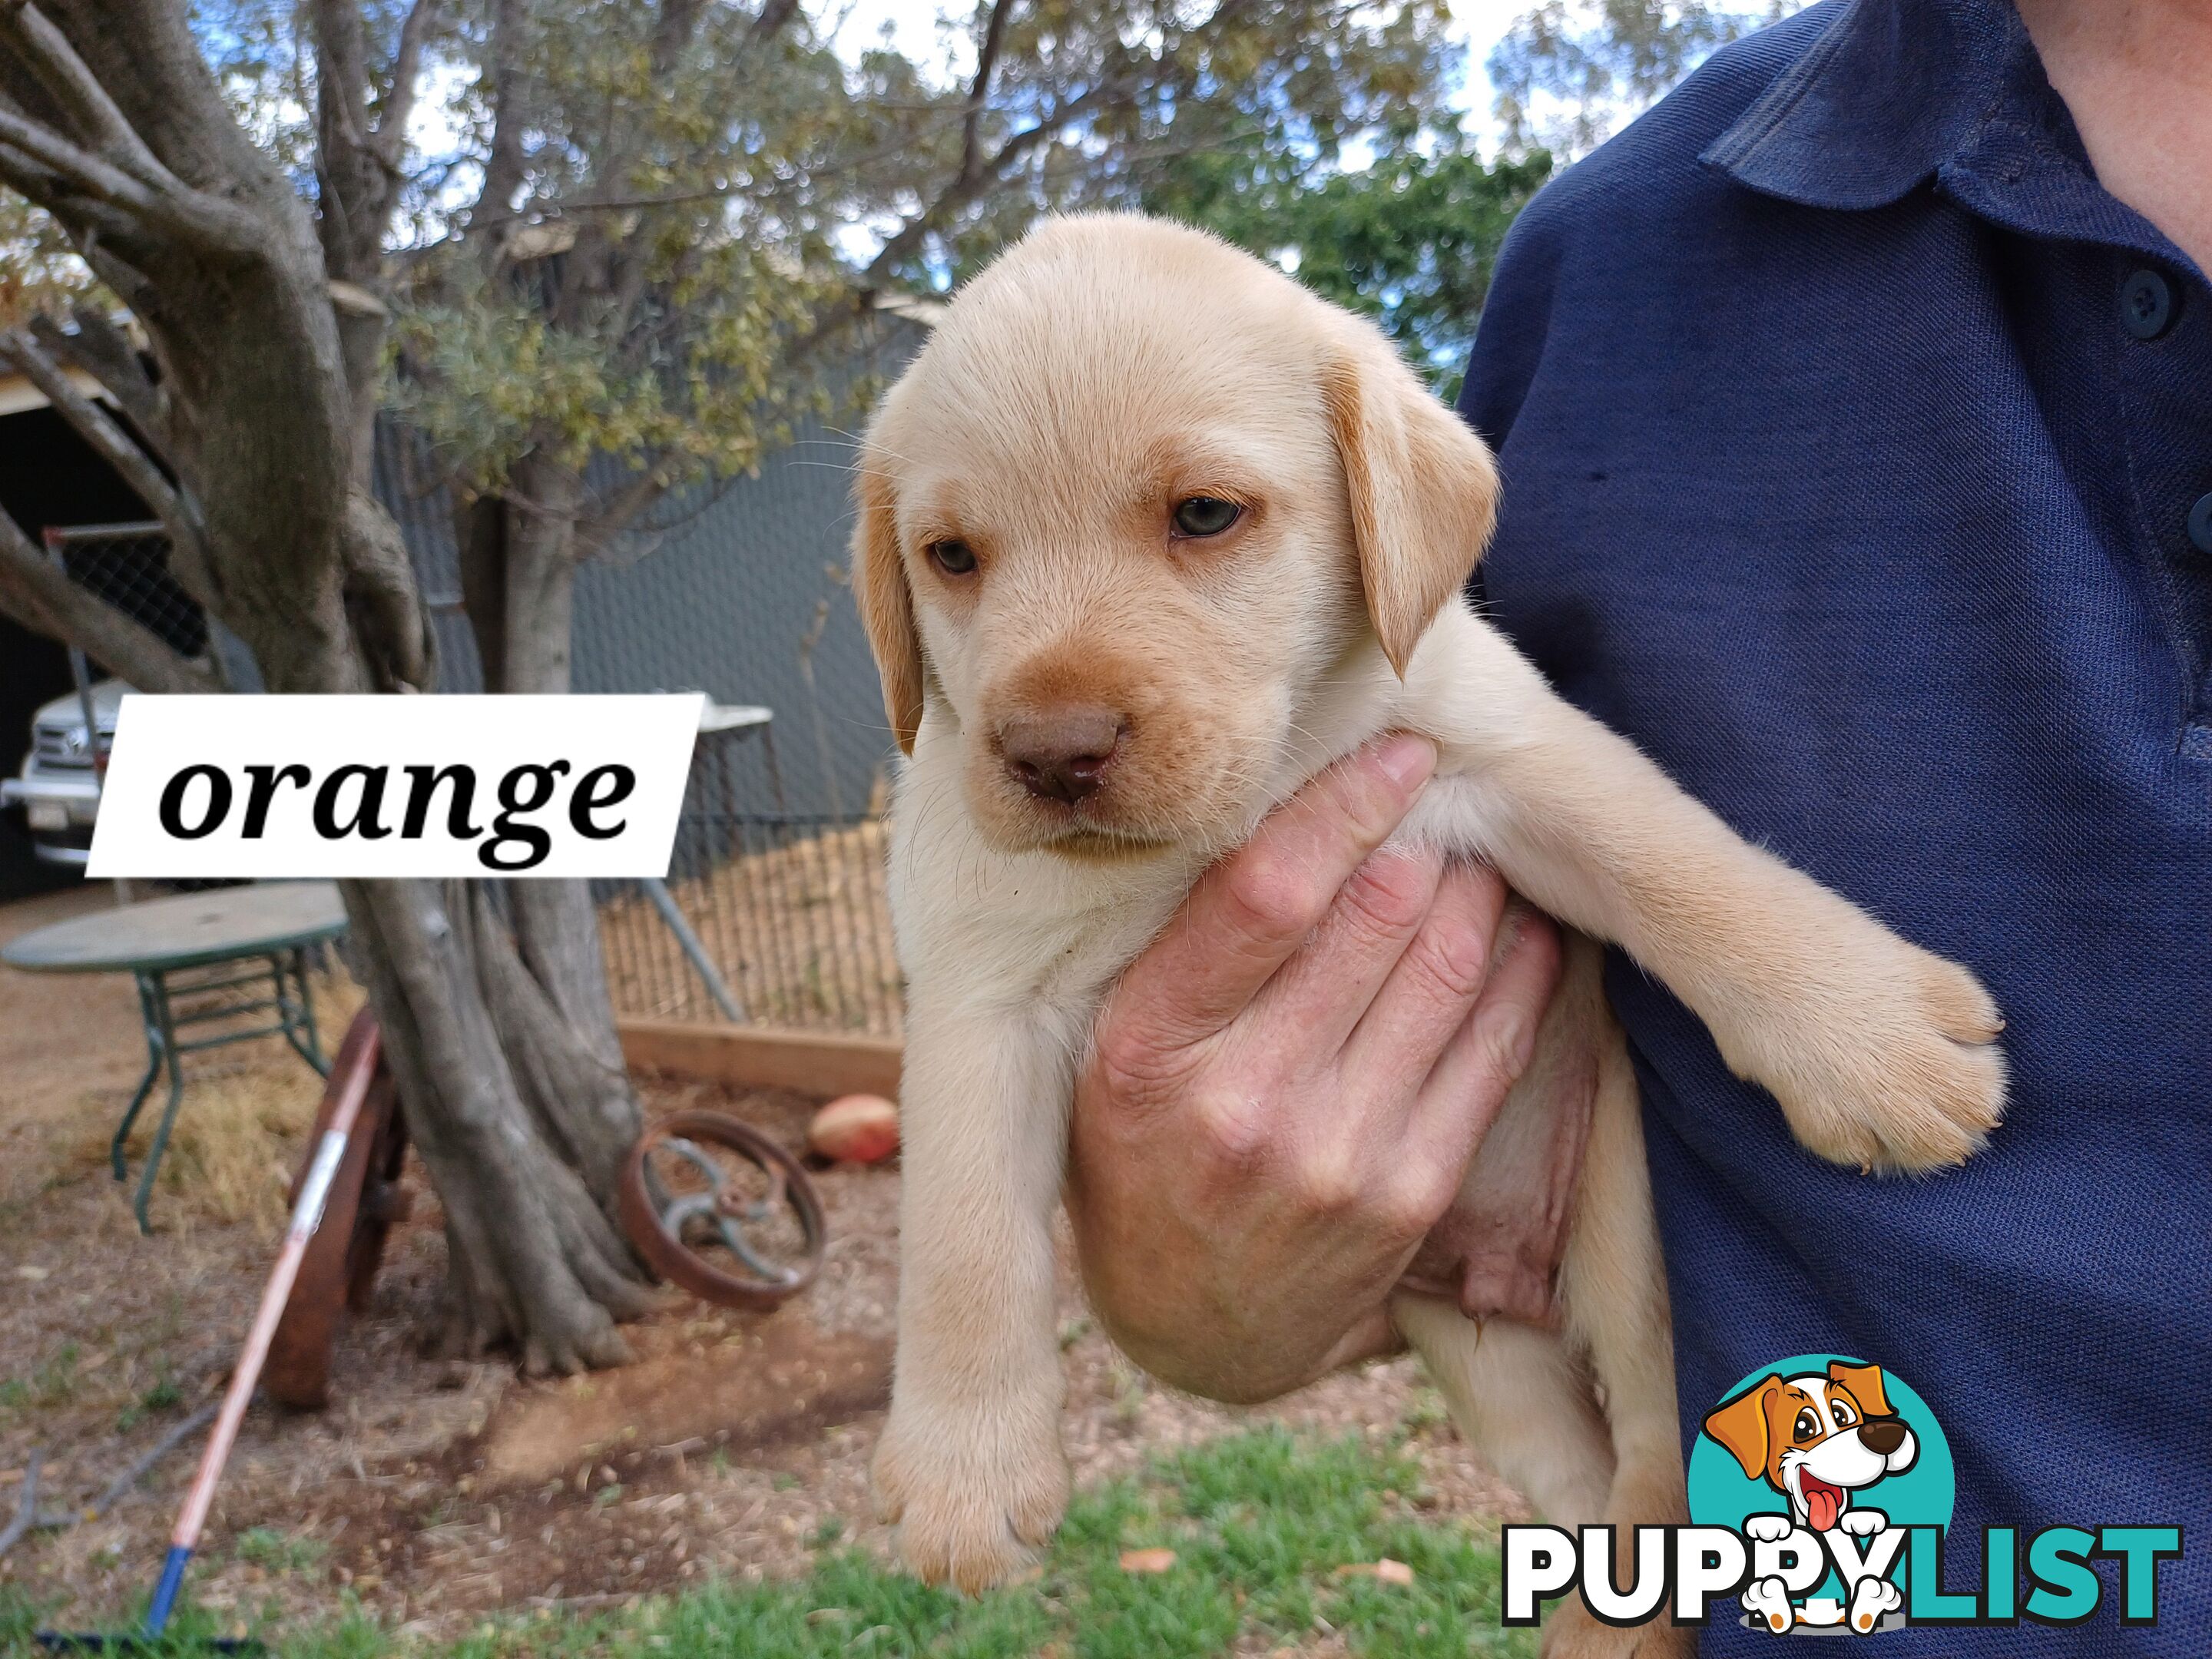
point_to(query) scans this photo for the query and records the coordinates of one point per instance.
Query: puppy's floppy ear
(1423, 489)
(1865, 1386)
(886, 604)
(1741, 1425)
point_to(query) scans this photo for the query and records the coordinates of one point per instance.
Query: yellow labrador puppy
(1148, 535)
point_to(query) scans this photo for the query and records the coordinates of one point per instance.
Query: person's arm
(1288, 1086)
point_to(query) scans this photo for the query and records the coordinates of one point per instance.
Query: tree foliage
(1409, 240)
(40, 274)
(639, 252)
(1570, 72)
(1076, 104)
(650, 261)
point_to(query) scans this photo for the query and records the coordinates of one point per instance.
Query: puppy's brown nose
(1881, 1435)
(1060, 755)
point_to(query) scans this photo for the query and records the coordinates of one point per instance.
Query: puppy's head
(1139, 499)
(1816, 1437)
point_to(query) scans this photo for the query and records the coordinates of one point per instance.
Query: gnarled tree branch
(382, 601)
(40, 597)
(104, 352)
(979, 90)
(973, 181)
(202, 221)
(77, 92)
(188, 551)
(398, 102)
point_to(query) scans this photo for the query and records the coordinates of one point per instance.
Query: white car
(59, 788)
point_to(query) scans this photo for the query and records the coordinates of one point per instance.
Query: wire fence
(791, 912)
(785, 911)
(127, 565)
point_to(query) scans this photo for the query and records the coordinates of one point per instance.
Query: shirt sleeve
(1509, 341)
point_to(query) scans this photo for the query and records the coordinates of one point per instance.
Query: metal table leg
(159, 995)
(291, 1002)
(155, 1053)
(298, 1018)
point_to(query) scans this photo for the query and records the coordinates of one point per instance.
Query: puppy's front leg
(970, 1464)
(1880, 1053)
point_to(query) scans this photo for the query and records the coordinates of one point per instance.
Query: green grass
(49, 1385)
(163, 1396)
(278, 1551)
(1259, 1522)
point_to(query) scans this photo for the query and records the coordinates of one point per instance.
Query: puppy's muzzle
(1881, 1435)
(1062, 756)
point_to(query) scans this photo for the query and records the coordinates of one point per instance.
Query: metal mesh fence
(773, 917)
(791, 915)
(127, 565)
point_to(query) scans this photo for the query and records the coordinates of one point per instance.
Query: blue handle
(164, 1593)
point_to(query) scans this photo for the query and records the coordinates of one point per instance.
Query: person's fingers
(1427, 998)
(1492, 1047)
(1323, 991)
(1248, 913)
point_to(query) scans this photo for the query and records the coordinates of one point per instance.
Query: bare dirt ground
(436, 1491)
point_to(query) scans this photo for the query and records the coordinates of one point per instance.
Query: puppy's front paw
(1885, 1057)
(1870, 1598)
(1768, 1603)
(974, 1497)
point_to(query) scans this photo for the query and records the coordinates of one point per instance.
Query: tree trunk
(495, 1006)
(514, 968)
(492, 999)
(533, 1257)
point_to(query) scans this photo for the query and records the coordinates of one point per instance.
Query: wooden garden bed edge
(814, 1063)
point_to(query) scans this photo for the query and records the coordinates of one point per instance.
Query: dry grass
(240, 1133)
(801, 933)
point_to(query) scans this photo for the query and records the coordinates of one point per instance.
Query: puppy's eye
(1205, 515)
(1807, 1427)
(953, 558)
(1841, 1411)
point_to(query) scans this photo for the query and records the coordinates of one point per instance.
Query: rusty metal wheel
(364, 1200)
(721, 1210)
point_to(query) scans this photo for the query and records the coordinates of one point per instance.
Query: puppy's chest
(1025, 930)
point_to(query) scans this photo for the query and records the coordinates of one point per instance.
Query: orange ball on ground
(855, 1129)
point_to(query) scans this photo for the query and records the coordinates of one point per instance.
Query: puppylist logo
(1820, 1495)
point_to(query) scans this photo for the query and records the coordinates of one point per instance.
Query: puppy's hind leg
(1523, 1400)
(1612, 1292)
(1528, 1399)
(1521, 1394)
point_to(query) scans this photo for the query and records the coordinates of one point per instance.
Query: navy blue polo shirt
(1858, 465)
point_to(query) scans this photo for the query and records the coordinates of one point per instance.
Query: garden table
(190, 957)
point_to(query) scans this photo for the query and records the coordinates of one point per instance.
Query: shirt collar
(1895, 93)
(1890, 91)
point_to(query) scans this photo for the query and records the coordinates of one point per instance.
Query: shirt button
(2145, 304)
(2200, 524)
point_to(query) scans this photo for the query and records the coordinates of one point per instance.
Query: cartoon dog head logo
(1819, 1437)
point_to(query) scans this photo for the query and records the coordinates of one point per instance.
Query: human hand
(1288, 1085)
